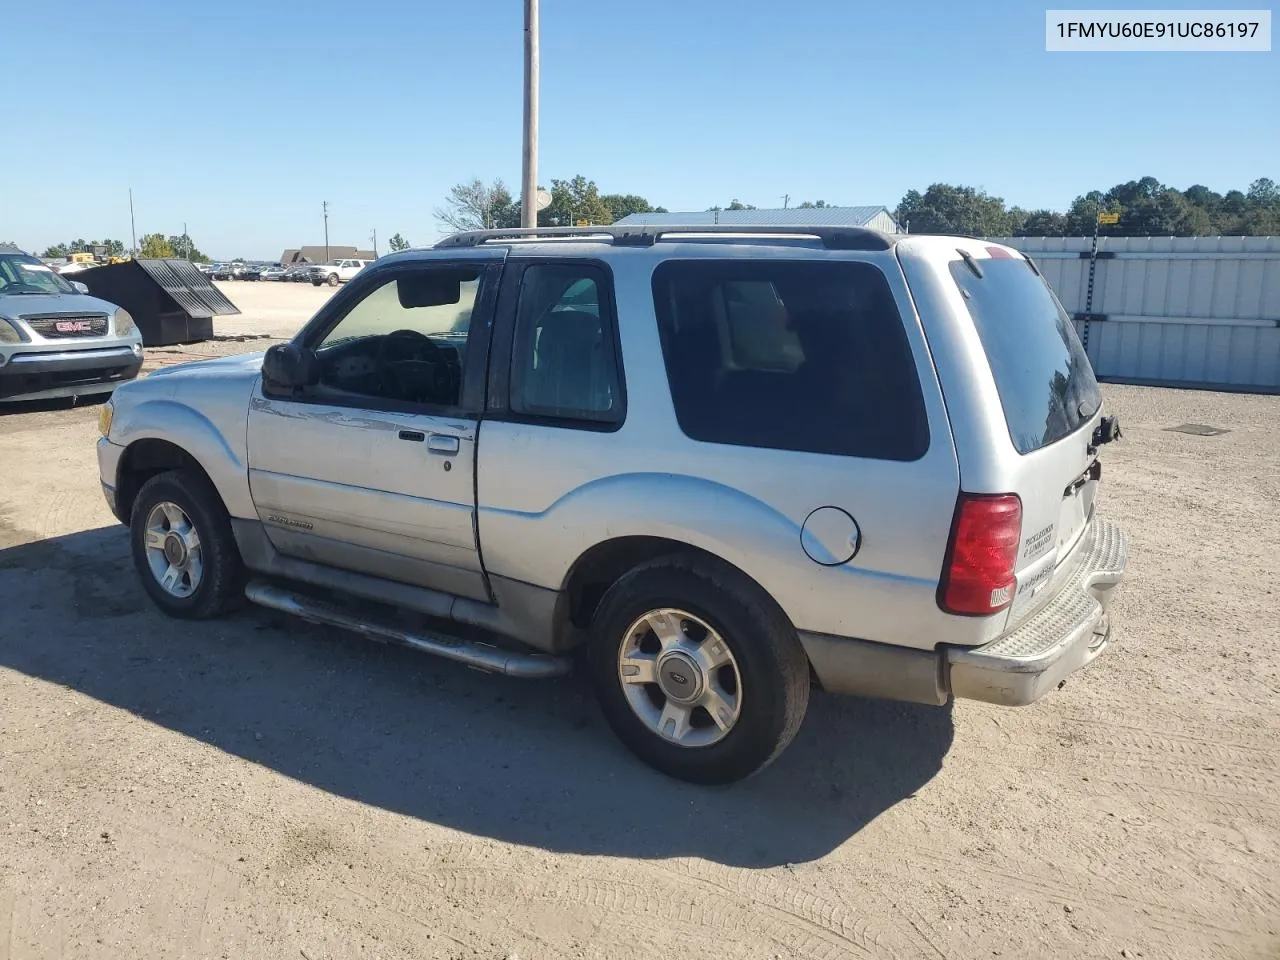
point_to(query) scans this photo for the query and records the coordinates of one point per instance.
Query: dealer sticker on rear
(1039, 542)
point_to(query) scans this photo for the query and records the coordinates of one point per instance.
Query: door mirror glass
(289, 365)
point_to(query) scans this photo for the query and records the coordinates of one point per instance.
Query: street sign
(584, 223)
(1108, 218)
(542, 199)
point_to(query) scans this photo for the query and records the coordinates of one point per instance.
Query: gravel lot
(260, 788)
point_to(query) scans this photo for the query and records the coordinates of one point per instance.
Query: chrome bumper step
(1065, 636)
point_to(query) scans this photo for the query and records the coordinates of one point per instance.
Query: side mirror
(79, 287)
(291, 366)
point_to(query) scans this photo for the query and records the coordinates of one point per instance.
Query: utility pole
(529, 187)
(133, 227)
(786, 199)
(324, 206)
(186, 243)
(375, 243)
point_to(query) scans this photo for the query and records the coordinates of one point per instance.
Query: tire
(315, 283)
(707, 601)
(216, 587)
(333, 279)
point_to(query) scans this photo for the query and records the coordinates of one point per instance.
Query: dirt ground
(260, 788)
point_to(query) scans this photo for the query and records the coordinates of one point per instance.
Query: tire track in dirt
(1261, 752)
(1096, 885)
(696, 896)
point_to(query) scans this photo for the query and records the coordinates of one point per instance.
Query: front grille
(64, 327)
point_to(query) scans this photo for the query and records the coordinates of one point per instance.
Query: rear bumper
(1066, 635)
(1019, 668)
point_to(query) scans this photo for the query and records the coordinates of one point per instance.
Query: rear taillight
(978, 576)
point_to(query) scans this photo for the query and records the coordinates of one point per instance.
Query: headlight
(9, 333)
(124, 323)
(105, 414)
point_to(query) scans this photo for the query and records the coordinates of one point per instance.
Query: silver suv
(729, 464)
(55, 339)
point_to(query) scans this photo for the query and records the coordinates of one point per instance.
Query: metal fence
(1176, 311)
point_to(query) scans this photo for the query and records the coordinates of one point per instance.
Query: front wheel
(183, 547)
(698, 672)
(333, 279)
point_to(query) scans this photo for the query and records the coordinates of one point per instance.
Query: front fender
(218, 451)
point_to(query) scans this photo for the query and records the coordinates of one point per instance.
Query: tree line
(1146, 208)
(152, 246)
(490, 206)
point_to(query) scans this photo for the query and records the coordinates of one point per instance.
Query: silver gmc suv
(729, 464)
(55, 339)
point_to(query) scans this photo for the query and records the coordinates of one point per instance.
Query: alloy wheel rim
(680, 678)
(174, 553)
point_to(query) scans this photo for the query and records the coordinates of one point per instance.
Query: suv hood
(14, 305)
(244, 363)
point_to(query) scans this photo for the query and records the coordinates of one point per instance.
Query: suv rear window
(1044, 379)
(790, 355)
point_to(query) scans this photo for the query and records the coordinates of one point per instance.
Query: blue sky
(239, 118)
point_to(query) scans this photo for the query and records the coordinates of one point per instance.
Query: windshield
(1044, 379)
(21, 274)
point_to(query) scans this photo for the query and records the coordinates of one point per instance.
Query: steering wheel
(394, 374)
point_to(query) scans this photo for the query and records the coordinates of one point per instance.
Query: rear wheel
(183, 547)
(697, 671)
(333, 279)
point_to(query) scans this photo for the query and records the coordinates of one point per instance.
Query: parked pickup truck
(336, 271)
(727, 463)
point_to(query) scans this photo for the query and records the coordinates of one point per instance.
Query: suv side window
(403, 343)
(790, 355)
(564, 359)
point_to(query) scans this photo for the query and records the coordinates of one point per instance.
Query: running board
(482, 656)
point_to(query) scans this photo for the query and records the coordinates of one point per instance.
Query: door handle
(443, 445)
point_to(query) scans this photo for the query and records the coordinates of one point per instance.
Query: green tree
(154, 246)
(736, 204)
(479, 206)
(114, 248)
(398, 243)
(1042, 223)
(944, 208)
(185, 249)
(812, 205)
(574, 201)
(1263, 192)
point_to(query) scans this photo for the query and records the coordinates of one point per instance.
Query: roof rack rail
(640, 235)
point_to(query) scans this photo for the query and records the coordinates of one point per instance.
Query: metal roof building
(316, 254)
(873, 217)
